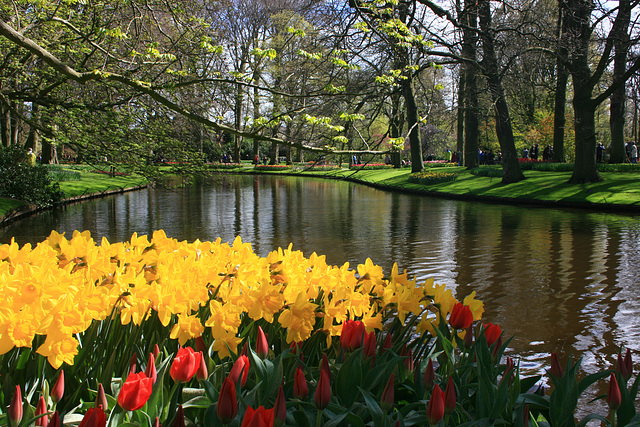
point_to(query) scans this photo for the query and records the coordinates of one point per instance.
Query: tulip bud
(41, 409)
(240, 367)
(15, 409)
(449, 397)
(202, 372)
(496, 348)
(227, 402)
(55, 420)
(300, 387)
(156, 422)
(279, 409)
(151, 371)
(614, 397)
(324, 365)
(525, 416)
(156, 351)
(200, 345)
(387, 399)
(101, 398)
(369, 345)
(468, 338)
(555, 369)
(179, 421)
(133, 364)
(492, 333)
(262, 345)
(58, 388)
(408, 361)
(388, 342)
(323, 390)
(429, 375)
(435, 407)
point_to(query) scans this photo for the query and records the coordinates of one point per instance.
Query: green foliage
(20, 181)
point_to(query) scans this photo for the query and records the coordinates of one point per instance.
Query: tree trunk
(256, 110)
(395, 126)
(470, 70)
(560, 98)
(510, 167)
(618, 97)
(5, 124)
(413, 120)
(460, 116)
(578, 23)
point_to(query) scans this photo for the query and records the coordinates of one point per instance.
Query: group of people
(632, 151)
(533, 153)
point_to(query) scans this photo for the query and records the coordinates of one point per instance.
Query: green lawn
(618, 190)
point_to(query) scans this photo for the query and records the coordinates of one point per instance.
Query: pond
(557, 280)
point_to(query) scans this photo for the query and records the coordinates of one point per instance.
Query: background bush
(22, 182)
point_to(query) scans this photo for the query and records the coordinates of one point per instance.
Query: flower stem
(319, 418)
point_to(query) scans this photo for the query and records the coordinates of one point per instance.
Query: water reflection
(563, 281)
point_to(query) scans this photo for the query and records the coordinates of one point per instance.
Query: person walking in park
(31, 157)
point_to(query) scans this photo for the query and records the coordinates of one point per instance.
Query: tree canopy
(148, 82)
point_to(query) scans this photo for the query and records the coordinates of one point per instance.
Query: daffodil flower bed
(427, 177)
(58, 288)
(120, 319)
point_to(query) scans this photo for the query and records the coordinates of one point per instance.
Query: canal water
(562, 281)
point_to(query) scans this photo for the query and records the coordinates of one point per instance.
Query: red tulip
(279, 409)
(151, 371)
(15, 408)
(258, 418)
(496, 348)
(202, 372)
(185, 364)
(525, 416)
(351, 336)
(300, 387)
(262, 345)
(179, 421)
(57, 391)
(461, 316)
(435, 407)
(101, 398)
(429, 376)
(240, 367)
(227, 401)
(41, 409)
(95, 417)
(323, 390)
(55, 420)
(614, 397)
(156, 350)
(369, 345)
(492, 333)
(387, 399)
(449, 397)
(135, 391)
(555, 369)
(156, 422)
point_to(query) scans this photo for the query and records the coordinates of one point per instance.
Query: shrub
(427, 177)
(22, 182)
(488, 171)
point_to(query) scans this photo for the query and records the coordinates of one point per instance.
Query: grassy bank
(86, 183)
